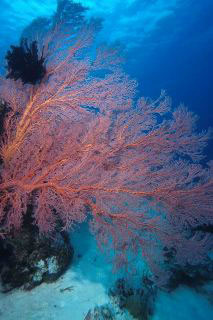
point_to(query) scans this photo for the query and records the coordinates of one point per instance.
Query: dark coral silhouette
(69, 13)
(23, 62)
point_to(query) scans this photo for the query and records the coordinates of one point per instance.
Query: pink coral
(77, 145)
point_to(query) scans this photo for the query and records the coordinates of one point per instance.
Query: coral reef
(77, 146)
(28, 259)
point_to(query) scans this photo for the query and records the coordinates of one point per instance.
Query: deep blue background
(183, 65)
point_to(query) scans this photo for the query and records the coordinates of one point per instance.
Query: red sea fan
(75, 145)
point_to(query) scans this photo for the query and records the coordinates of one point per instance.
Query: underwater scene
(106, 160)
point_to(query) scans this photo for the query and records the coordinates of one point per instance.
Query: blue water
(168, 45)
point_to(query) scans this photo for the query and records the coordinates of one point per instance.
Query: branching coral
(134, 169)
